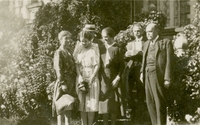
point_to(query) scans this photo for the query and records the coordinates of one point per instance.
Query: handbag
(83, 87)
(65, 102)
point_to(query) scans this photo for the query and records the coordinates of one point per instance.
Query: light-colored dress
(87, 59)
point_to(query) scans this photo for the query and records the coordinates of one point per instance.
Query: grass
(50, 121)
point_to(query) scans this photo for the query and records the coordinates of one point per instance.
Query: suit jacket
(138, 57)
(164, 59)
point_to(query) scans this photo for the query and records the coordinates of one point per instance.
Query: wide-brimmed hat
(89, 27)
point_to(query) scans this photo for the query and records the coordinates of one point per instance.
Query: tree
(187, 85)
(10, 24)
(30, 70)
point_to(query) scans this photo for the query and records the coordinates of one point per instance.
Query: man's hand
(166, 84)
(141, 77)
(64, 88)
(128, 54)
(115, 82)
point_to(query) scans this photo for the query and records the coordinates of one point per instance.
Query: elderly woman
(86, 57)
(66, 74)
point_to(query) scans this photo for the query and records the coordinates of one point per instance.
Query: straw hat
(89, 27)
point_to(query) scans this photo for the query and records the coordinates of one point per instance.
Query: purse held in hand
(65, 102)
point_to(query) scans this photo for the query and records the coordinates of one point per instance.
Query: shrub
(29, 67)
(125, 36)
(30, 70)
(187, 74)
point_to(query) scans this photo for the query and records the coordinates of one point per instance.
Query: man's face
(151, 32)
(137, 31)
(106, 38)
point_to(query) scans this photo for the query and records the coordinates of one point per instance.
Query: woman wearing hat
(65, 83)
(86, 57)
(91, 28)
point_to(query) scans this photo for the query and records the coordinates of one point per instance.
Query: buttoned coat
(164, 59)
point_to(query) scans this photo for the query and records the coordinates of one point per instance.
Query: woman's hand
(80, 79)
(115, 82)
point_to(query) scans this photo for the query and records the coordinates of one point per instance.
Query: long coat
(164, 59)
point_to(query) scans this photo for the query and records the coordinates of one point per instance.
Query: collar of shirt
(108, 46)
(153, 41)
(139, 39)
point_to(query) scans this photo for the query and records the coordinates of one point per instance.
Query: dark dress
(65, 69)
(110, 98)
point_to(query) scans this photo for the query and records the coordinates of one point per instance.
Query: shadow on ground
(139, 116)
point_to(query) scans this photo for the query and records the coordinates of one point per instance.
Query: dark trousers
(155, 98)
(134, 80)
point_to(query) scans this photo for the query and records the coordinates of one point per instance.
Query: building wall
(27, 8)
(179, 12)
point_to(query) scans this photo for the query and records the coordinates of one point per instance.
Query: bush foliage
(29, 69)
(26, 68)
(30, 72)
(186, 90)
(144, 18)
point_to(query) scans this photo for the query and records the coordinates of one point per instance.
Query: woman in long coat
(110, 74)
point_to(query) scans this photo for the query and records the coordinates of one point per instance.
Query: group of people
(105, 75)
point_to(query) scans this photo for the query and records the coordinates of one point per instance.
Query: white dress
(87, 59)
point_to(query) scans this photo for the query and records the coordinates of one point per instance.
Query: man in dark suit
(133, 57)
(156, 72)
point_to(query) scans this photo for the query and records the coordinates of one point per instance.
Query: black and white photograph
(99, 62)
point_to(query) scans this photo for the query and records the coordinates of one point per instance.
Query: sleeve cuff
(118, 77)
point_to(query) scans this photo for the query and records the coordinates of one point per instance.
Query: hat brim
(84, 29)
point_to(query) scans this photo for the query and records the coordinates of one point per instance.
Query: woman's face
(85, 42)
(65, 41)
